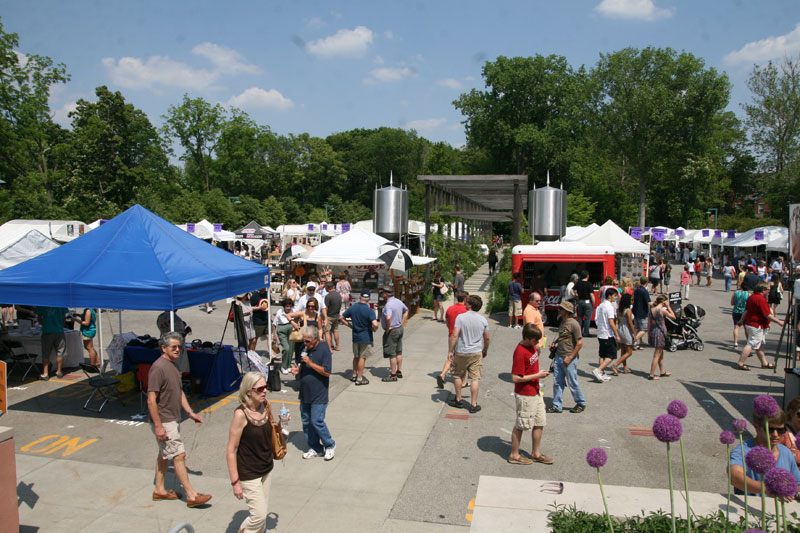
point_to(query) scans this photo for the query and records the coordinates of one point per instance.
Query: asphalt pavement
(406, 461)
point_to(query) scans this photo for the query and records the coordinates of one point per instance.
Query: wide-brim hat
(567, 306)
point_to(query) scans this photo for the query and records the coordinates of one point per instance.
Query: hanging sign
(190, 227)
(311, 227)
(324, 227)
(636, 233)
(217, 228)
(717, 233)
(706, 233)
(759, 235)
(731, 234)
(658, 234)
(345, 227)
(679, 233)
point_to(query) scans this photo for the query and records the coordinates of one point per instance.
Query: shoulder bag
(296, 335)
(278, 438)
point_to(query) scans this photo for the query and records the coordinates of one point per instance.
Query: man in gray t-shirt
(469, 343)
(330, 315)
(458, 280)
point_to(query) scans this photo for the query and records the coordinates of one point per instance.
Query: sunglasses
(259, 389)
(306, 341)
(780, 431)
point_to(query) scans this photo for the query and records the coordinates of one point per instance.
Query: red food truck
(553, 263)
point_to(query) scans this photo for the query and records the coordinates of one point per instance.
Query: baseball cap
(365, 293)
(311, 284)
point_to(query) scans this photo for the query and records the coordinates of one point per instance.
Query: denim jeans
(585, 315)
(570, 375)
(314, 427)
(727, 282)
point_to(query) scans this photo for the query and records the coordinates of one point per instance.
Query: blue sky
(323, 67)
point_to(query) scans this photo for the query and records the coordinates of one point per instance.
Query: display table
(33, 345)
(218, 374)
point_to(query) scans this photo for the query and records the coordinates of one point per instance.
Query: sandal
(389, 378)
(627, 371)
(614, 370)
(768, 365)
(666, 374)
(651, 378)
(743, 367)
(353, 378)
(362, 381)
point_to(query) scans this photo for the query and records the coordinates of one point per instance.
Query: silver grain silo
(390, 212)
(547, 212)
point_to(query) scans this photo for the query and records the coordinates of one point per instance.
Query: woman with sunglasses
(789, 438)
(249, 452)
(291, 290)
(307, 317)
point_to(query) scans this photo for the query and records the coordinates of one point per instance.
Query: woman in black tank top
(249, 452)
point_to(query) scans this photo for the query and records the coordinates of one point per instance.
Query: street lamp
(715, 210)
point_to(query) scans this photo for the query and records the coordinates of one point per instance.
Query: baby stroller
(682, 332)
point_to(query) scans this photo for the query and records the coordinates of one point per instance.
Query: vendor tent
(254, 231)
(59, 230)
(576, 233)
(609, 234)
(28, 246)
(135, 261)
(703, 236)
(771, 235)
(356, 247)
(688, 235)
(205, 230)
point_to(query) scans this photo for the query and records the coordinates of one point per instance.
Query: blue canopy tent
(137, 260)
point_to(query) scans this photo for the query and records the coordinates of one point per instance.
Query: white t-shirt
(604, 313)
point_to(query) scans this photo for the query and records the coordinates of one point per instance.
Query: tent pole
(172, 320)
(100, 335)
(119, 311)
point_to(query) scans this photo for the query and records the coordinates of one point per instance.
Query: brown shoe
(199, 500)
(543, 459)
(170, 495)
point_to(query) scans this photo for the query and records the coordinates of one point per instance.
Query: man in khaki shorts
(469, 343)
(361, 319)
(165, 398)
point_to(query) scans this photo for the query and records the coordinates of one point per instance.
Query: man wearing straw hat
(565, 365)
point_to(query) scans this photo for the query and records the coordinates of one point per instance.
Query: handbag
(297, 334)
(278, 438)
(443, 290)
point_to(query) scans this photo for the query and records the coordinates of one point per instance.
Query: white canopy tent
(59, 230)
(26, 247)
(773, 235)
(577, 233)
(699, 238)
(205, 230)
(609, 234)
(356, 247)
(688, 235)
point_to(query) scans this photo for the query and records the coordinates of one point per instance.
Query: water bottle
(284, 416)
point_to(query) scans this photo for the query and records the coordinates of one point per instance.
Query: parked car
(484, 249)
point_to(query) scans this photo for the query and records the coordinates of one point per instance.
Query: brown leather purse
(278, 438)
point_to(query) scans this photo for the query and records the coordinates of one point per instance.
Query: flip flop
(743, 367)
(652, 378)
(666, 374)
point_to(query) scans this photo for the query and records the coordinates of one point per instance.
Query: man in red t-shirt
(530, 406)
(450, 316)
(756, 318)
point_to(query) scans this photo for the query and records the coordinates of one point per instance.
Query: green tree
(580, 209)
(658, 110)
(274, 214)
(197, 125)
(219, 209)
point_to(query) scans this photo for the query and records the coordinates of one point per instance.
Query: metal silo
(390, 212)
(547, 212)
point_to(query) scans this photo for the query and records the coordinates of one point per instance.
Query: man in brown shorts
(469, 343)
(165, 398)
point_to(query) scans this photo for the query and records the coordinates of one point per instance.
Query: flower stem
(686, 489)
(728, 507)
(777, 517)
(783, 515)
(671, 495)
(603, 494)
(763, 505)
(741, 447)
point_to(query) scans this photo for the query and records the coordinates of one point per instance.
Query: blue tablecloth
(216, 378)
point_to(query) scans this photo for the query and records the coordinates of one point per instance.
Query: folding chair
(105, 385)
(16, 354)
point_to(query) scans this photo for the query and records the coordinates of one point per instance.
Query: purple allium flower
(677, 409)
(739, 425)
(781, 483)
(765, 406)
(727, 437)
(596, 457)
(760, 460)
(667, 428)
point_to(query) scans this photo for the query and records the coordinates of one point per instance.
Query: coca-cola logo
(552, 300)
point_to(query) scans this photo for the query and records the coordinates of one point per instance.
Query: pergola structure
(477, 200)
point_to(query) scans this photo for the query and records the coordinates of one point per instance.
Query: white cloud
(344, 43)
(133, 73)
(632, 9)
(389, 74)
(770, 48)
(258, 98)
(425, 124)
(227, 60)
(61, 115)
(450, 83)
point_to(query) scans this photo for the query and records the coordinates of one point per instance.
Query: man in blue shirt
(52, 321)
(314, 369)
(361, 319)
(514, 302)
(783, 457)
(395, 314)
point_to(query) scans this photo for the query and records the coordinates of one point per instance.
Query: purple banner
(706, 233)
(636, 233)
(217, 228)
(658, 234)
(324, 226)
(647, 228)
(311, 227)
(717, 233)
(679, 233)
(190, 227)
(731, 234)
(345, 227)
(759, 235)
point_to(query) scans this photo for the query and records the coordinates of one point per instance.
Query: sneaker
(330, 452)
(399, 374)
(552, 410)
(310, 454)
(474, 408)
(606, 378)
(598, 375)
(284, 371)
(517, 327)
(510, 326)
(578, 409)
